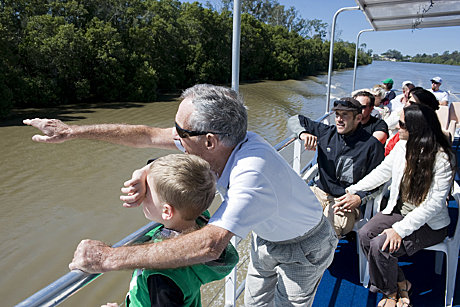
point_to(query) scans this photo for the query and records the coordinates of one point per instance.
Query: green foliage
(393, 54)
(60, 51)
(445, 58)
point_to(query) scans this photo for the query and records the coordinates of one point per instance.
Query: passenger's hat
(406, 83)
(388, 80)
(436, 79)
(347, 104)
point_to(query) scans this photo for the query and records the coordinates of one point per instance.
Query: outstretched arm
(200, 246)
(55, 131)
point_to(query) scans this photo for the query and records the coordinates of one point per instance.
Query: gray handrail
(56, 292)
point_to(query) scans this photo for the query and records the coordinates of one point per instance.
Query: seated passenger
(381, 111)
(346, 153)
(421, 167)
(377, 127)
(441, 96)
(179, 188)
(399, 102)
(396, 105)
(389, 92)
(372, 125)
(416, 95)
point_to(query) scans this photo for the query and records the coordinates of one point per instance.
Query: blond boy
(180, 188)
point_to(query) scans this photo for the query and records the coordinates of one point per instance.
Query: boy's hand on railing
(135, 188)
(54, 130)
(90, 256)
(309, 141)
(110, 305)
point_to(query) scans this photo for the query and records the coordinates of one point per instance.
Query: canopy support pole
(355, 68)
(236, 45)
(331, 53)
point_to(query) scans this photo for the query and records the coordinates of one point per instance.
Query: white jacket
(432, 211)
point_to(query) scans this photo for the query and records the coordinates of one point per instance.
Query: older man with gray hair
(292, 243)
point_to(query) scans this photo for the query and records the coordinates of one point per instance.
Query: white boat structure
(382, 16)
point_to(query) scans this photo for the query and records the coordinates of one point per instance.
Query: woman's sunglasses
(402, 125)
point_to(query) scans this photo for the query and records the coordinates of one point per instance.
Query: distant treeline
(445, 58)
(57, 51)
(436, 58)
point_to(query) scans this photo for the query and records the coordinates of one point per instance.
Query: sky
(408, 42)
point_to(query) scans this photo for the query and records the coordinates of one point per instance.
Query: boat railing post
(297, 156)
(230, 282)
(355, 68)
(236, 45)
(230, 279)
(331, 53)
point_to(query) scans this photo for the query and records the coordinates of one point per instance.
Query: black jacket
(342, 159)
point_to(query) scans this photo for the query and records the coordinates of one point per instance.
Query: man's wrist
(109, 260)
(73, 131)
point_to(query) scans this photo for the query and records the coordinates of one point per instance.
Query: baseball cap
(347, 104)
(436, 79)
(406, 82)
(388, 80)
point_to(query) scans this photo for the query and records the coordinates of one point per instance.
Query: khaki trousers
(342, 222)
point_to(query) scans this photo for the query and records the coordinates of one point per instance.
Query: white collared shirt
(262, 193)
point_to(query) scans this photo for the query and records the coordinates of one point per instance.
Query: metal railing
(61, 289)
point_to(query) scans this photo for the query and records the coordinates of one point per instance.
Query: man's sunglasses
(402, 125)
(184, 133)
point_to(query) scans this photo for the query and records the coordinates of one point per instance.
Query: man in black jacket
(346, 153)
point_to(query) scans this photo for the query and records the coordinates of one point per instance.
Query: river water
(54, 195)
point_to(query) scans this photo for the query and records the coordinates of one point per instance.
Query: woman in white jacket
(421, 167)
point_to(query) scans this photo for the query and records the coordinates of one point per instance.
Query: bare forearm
(196, 247)
(129, 135)
(381, 136)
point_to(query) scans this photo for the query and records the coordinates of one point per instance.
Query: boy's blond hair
(184, 181)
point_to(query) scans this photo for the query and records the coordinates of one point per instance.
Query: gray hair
(378, 90)
(218, 109)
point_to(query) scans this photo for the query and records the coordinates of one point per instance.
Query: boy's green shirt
(188, 279)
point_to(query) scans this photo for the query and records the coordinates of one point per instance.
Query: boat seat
(450, 247)
(372, 207)
(444, 116)
(448, 119)
(454, 111)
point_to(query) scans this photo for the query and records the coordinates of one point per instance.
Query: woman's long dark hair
(425, 97)
(425, 140)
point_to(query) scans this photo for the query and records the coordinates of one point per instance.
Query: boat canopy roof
(397, 14)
